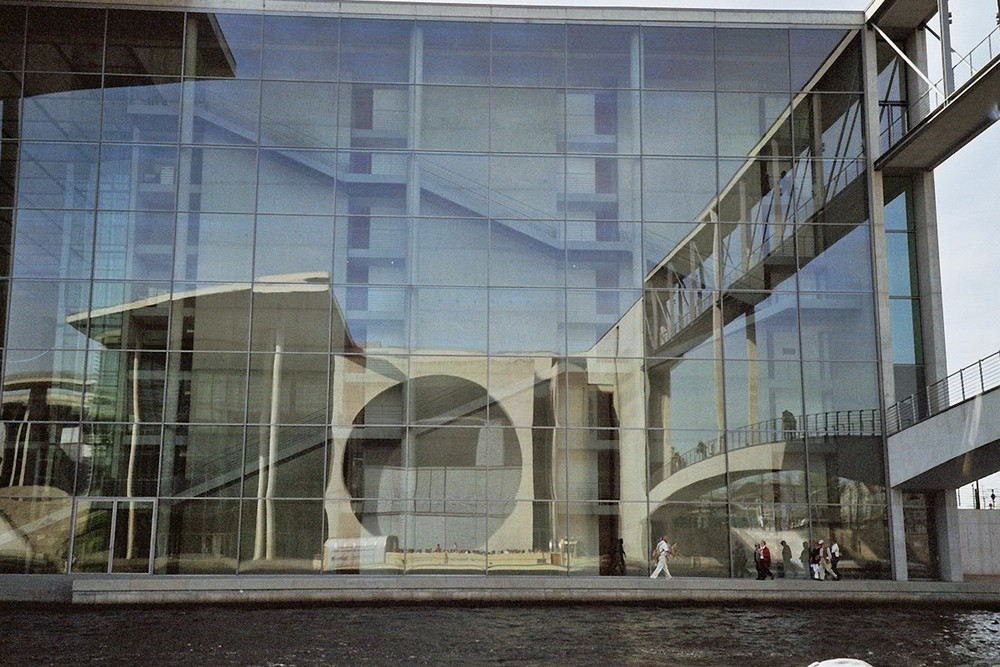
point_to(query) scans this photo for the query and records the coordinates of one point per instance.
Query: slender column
(944, 16)
(272, 445)
(133, 446)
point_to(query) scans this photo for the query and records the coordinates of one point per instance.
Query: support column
(897, 536)
(949, 541)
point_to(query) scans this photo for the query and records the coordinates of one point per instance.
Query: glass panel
(286, 461)
(839, 386)
(830, 191)
(524, 391)
(683, 394)
(50, 315)
(300, 47)
(531, 322)
(456, 52)
(592, 317)
(35, 534)
(453, 185)
(365, 536)
(603, 254)
(61, 107)
(829, 126)
(784, 529)
(454, 118)
(435, 312)
(303, 115)
(686, 465)
(41, 386)
(761, 191)
(898, 217)
(206, 387)
(141, 42)
(758, 256)
(679, 58)
(861, 533)
(226, 45)
(218, 179)
(602, 56)
(678, 190)
(527, 253)
(214, 317)
(602, 121)
(64, 39)
(214, 247)
(752, 59)
(759, 393)
(126, 387)
(221, 112)
(528, 188)
(197, 537)
(373, 50)
(124, 458)
(93, 533)
(202, 461)
(53, 244)
(754, 124)
(299, 383)
(292, 316)
(138, 108)
(450, 252)
(374, 117)
(381, 258)
(838, 327)
(681, 323)
(367, 390)
(127, 315)
(297, 182)
(294, 246)
(678, 123)
(132, 537)
(760, 325)
(834, 258)
(907, 342)
(40, 455)
(527, 121)
(676, 254)
(845, 457)
(529, 54)
(281, 536)
(57, 175)
(376, 317)
(811, 50)
(450, 391)
(12, 38)
(10, 104)
(901, 257)
(138, 177)
(696, 534)
(602, 189)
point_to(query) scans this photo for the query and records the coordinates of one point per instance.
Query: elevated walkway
(949, 434)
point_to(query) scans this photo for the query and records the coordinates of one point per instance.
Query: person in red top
(765, 562)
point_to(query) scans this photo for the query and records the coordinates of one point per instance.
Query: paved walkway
(347, 589)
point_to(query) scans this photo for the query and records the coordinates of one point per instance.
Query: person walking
(825, 563)
(786, 560)
(660, 554)
(764, 571)
(835, 558)
(618, 558)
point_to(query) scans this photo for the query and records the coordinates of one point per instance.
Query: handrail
(971, 381)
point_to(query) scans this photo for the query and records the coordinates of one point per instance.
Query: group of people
(823, 560)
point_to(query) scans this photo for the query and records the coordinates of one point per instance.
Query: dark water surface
(747, 636)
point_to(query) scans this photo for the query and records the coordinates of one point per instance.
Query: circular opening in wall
(433, 459)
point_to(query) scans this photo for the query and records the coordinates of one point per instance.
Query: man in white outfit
(661, 559)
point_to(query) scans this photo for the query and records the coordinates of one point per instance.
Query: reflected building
(319, 292)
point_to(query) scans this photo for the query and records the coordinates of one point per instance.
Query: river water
(682, 635)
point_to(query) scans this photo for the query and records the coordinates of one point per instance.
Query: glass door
(113, 536)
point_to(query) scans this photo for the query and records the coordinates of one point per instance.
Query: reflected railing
(963, 71)
(934, 399)
(861, 422)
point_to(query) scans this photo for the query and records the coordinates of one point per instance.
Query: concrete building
(351, 287)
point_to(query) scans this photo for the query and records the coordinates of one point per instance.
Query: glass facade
(324, 294)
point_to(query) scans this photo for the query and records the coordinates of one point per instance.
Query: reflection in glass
(56, 175)
(529, 121)
(292, 181)
(752, 59)
(286, 388)
(862, 532)
(137, 177)
(197, 537)
(206, 387)
(36, 533)
(141, 108)
(528, 188)
(373, 50)
(777, 522)
(61, 107)
(838, 327)
(449, 252)
(213, 247)
(144, 42)
(48, 315)
(454, 118)
(456, 52)
(825, 251)
(53, 244)
(298, 114)
(759, 393)
(839, 386)
(811, 50)
(221, 112)
(435, 314)
(678, 190)
(601, 56)
(528, 54)
(754, 124)
(699, 534)
(678, 123)
(300, 47)
(225, 45)
(679, 58)
(217, 180)
(281, 536)
(527, 322)
(453, 185)
(62, 39)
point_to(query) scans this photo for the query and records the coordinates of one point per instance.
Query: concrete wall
(980, 535)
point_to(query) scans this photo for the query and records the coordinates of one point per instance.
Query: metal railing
(896, 126)
(934, 399)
